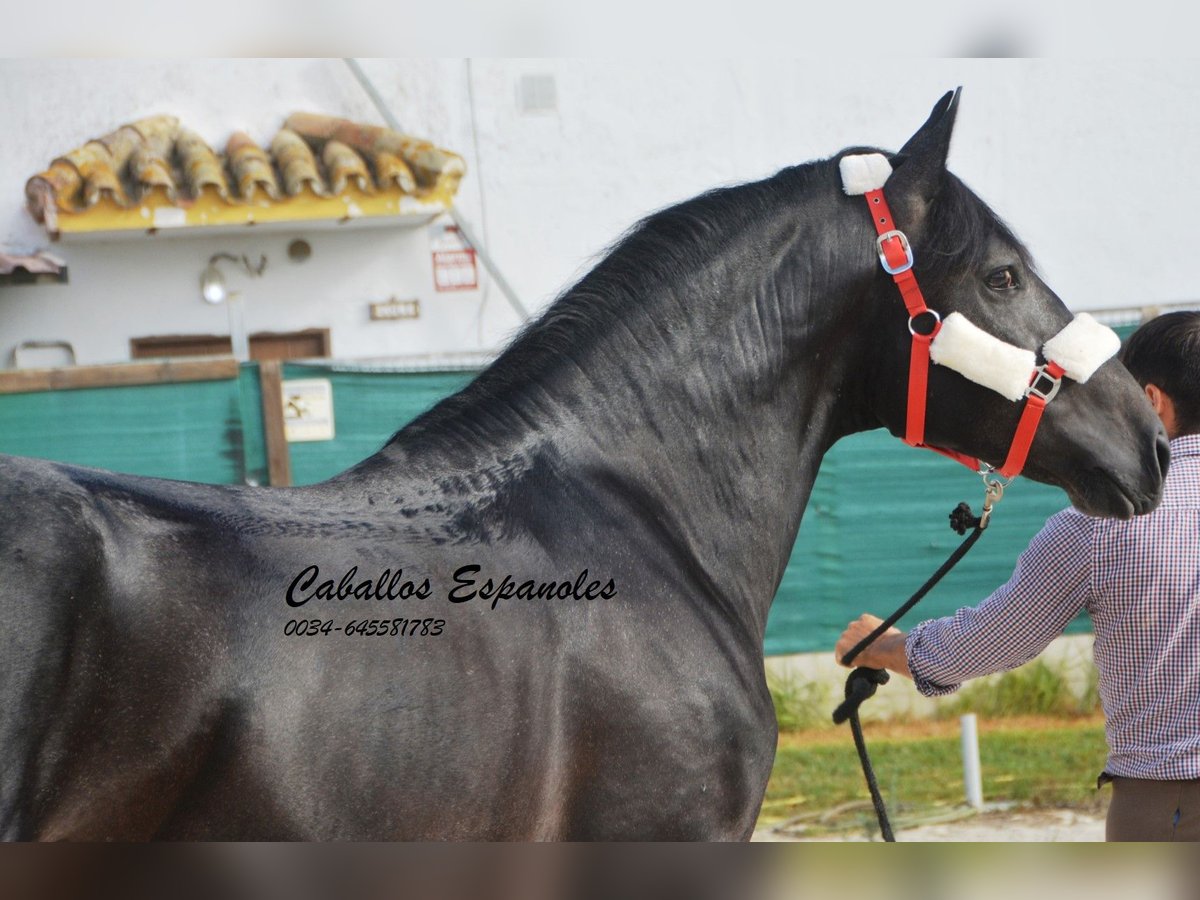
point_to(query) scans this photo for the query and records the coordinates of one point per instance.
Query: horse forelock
(958, 230)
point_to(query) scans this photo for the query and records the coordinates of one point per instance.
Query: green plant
(1035, 689)
(799, 704)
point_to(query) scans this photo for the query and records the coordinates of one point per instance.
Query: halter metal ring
(1044, 385)
(883, 261)
(937, 321)
(992, 477)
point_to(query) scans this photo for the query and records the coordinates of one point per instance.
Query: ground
(1028, 826)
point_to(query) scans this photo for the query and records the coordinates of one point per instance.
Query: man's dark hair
(1166, 352)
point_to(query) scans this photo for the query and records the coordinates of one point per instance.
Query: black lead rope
(862, 682)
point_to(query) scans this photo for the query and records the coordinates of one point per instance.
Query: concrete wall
(1091, 162)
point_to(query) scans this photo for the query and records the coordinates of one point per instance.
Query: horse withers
(538, 611)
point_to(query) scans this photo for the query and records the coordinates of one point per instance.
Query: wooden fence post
(279, 458)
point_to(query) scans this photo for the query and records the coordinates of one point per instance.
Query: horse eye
(1003, 279)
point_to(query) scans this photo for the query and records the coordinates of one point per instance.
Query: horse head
(994, 325)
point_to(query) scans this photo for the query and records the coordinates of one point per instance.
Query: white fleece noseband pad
(982, 358)
(1082, 347)
(864, 172)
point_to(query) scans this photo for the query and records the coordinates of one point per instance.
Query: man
(1139, 580)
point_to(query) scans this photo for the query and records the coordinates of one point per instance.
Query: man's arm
(1048, 588)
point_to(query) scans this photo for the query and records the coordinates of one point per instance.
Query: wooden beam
(279, 457)
(162, 371)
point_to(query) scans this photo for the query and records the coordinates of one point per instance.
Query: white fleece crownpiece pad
(982, 358)
(1082, 347)
(864, 172)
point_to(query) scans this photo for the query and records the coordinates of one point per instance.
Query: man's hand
(885, 652)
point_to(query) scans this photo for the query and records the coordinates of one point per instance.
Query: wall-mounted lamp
(214, 290)
(212, 284)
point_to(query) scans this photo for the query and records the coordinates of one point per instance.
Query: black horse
(538, 611)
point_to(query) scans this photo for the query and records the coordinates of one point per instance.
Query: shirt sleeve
(1048, 588)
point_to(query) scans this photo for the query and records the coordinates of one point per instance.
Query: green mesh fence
(369, 407)
(877, 525)
(193, 431)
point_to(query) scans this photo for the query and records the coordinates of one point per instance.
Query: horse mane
(661, 253)
(654, 259)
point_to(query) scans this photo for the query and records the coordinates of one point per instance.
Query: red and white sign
(455, 270)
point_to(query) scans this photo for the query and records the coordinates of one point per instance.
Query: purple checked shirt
(1139, 580)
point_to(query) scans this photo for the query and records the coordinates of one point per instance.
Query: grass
(817, 781)
(1041, 745)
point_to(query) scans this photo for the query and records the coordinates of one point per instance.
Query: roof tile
(297, 163)
(252, 169)
(315, 155)
(343, 164)
(201, 167)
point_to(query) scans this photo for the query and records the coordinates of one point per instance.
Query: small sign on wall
(308, 409)
(455, 270)
(395, 309)
(454, 266)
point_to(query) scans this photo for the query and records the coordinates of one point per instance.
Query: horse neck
(708, 396)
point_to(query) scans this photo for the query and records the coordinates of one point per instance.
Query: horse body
(535, 716)
(661, 428)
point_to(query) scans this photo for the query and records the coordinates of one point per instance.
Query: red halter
(896, 257)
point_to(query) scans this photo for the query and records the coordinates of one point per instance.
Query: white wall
(1091, 162)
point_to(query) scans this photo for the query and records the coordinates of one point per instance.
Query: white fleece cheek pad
(982, 358)
(864, 172)
(1082, 347)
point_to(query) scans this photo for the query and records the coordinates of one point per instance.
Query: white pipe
(972, 780)
(465, 228)
(238, 339)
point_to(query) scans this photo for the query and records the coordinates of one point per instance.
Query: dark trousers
(1150, 810)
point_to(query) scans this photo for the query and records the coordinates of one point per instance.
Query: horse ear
(921, 162)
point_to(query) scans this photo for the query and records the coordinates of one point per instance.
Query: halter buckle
(905, 246)
(1044, 386)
